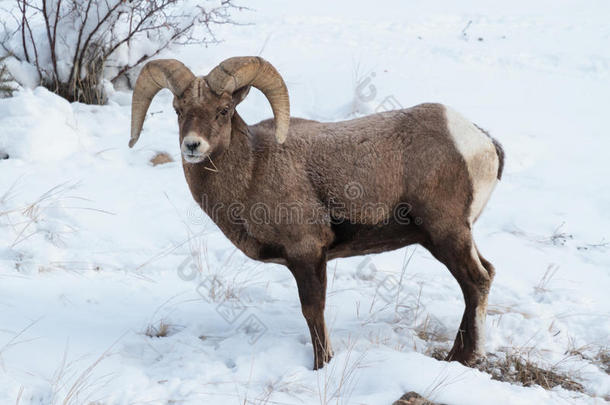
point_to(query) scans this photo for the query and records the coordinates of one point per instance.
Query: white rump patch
(480, 155)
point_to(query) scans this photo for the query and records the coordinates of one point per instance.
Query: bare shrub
(74, 45)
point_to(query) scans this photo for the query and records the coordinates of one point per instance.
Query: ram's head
(205, 105)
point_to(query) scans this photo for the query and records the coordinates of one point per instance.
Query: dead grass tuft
(438, 353)
(559, 238)
(602, 245)
(413, 398)
(157, 331)
(73, 387)
(338, 379)
(161, 158)
(514, 369)
(556, 238)
(543, 284)
(517, 370)
(431, 330)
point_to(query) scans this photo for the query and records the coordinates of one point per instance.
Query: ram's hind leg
(491, 271)
(474, 275)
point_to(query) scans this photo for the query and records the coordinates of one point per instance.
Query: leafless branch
(96, 32)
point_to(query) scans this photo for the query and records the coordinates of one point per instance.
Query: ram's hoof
(468, 358)
(3, 155)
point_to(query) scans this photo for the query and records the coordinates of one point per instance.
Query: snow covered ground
(97, 245)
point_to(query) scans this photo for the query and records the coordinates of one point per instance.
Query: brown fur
(334, 190)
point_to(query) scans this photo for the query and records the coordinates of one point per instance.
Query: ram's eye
(178, 111)
(225, 110)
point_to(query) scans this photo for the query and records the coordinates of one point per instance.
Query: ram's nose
(192, 145)
(194, 148)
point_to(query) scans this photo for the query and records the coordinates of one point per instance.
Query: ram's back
(404, 156)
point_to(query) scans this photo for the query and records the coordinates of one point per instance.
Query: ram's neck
(222, 183)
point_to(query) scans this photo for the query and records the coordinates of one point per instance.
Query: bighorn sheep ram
(300, 192)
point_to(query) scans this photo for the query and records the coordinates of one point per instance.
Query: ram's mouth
(194, 157)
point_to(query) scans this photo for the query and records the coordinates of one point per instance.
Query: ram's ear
(240, 94)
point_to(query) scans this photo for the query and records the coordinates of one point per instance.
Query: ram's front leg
(309, 270)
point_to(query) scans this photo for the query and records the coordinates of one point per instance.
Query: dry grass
(602, 359)
(431, 330)
(543, 284)
(514, 369)
(290, 385)
(71, 386)
(602, 245)
(216, 283)
(161, 158)
(33, 218)
(438, 353)
(598, 355)
(16, 340)
(556, 238)
(337, 380)
(559, 238)
(19, 395)
(162, 330)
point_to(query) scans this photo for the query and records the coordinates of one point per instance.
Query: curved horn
(156, 75)
(235, 73)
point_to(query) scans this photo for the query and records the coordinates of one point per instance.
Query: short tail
(499, 151)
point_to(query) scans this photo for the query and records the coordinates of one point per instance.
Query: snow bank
(38, 126)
